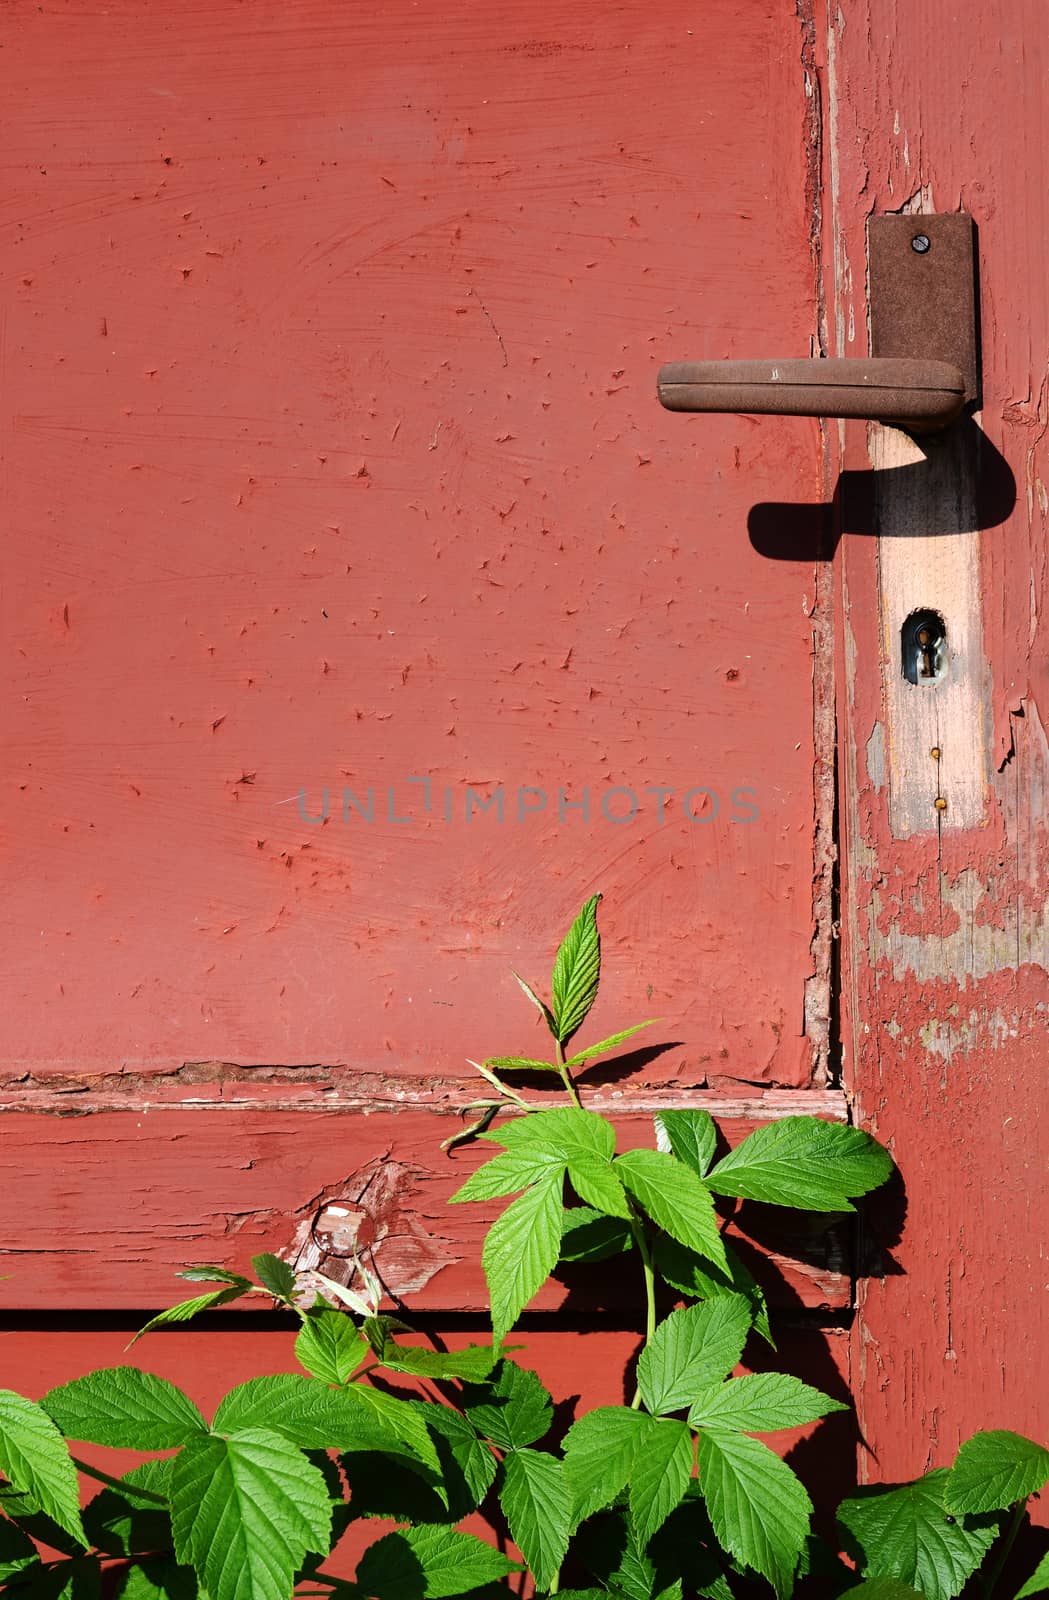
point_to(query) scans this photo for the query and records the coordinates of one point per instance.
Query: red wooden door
(366, 615)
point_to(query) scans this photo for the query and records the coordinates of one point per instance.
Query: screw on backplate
(935, 752)
(940, 803)
(920, 243)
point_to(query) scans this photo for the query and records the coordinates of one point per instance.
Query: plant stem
(1005, 1544)
(131, 1490)
(566, 1076)
(637, 1228)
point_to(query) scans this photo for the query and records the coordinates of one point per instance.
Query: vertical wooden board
(946, 992)
(332, 462)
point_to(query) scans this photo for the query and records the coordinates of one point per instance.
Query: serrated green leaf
(536, 1503)
(758, 1507)
(880, 1589)
(429, 1563)
(691, 1350)
(186, 1310)
(328, 1345)
(23, 1510)
(597, 1184)
(702, 1280)
(157, 1578)
(1038, 1582)
(521, 1249)
(543, 1009)
(805, 1163)
(35, 1458)
(605, 1045)
(519, 1064)
(310, 1414)
(275, 1275)
(123, 1523)
(207, 1273)
(992, 1471)
(762, 1402)
(660, 1475)
(692, 1136)
(508, 1173)
(610, 1550)
(513, 1410)
(472, 1364)
(125, 1408)
(676, 1199)
(456, 1438)
(17, 1551)
(599, 1453)
(904, 1532)
(567, 1133)
(588, 1235)
(577, 971)
(244, 1512)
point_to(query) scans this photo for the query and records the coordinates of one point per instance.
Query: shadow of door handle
(921, 396)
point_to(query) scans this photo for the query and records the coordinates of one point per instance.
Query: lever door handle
(923, 368)
(919, 395)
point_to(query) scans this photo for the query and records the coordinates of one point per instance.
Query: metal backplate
(922, 274)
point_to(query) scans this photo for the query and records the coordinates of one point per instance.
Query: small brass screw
(940, 803)
(935, 752)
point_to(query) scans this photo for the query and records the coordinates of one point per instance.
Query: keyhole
(923, 638)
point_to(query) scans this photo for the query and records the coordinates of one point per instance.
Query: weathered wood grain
(114, 1196)
(947, 930)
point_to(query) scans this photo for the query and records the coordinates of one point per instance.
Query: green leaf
(508, 1173)
(605, 1045)
(536, 1503)
(519, 1064)
(211, 1274)
(701, 1280)
(17, 1551)
(805, 1163)
(122, 1523)
(905, 1533)
(328, 1345)
(310, 1414)
(610, 1549)
(275, 1275)
(23, 1510)
(513, 1410)
(472, 1364)
(691, 1350)
(676, 1199)
(36, 1460)
(544, 1010)
(599, 1453)
(1038, 1581)
(577, 971)
(880, 1589)
(429, 1563)
(186, 1310)
(521, 1250)
(567, 1133)
(125, 1408)
(157, 1578)
(692, 1136)
(660, 1475)
(597, 1184)
(244, 1512)
(759, 1509)
(761, 1403)
(457, 1438)
(588, 1235)
(993, 1471)
(382, 1486)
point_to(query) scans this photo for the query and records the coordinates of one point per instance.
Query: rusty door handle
(919, 395)
(923, 369)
